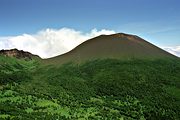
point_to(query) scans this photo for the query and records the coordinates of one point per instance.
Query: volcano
(117, 76)
(115, 46)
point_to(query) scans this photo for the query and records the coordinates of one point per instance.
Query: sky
(52, 27)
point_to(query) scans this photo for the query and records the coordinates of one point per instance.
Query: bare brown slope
(119, 46)
(20, 54)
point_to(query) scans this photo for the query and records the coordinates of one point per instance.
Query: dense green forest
(98, 89)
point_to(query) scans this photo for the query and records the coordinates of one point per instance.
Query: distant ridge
(20, 54)
(118, 46)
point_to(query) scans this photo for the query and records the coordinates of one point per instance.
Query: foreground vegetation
(97, 89)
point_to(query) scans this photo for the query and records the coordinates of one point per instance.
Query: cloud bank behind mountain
(52, 42)
(173, 50)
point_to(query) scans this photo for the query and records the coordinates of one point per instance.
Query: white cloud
(50, 42)
(173, 50)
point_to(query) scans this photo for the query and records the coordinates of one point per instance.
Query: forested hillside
(96, 89)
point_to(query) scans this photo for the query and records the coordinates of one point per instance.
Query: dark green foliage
(17, 77)
(15, 70)
(98, 89)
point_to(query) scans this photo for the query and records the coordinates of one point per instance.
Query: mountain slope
(118, 46)
(117, 87)
(20, 54)
(99, 89)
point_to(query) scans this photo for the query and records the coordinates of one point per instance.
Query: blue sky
(158, 21)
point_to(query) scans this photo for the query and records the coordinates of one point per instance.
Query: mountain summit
(118, 46)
